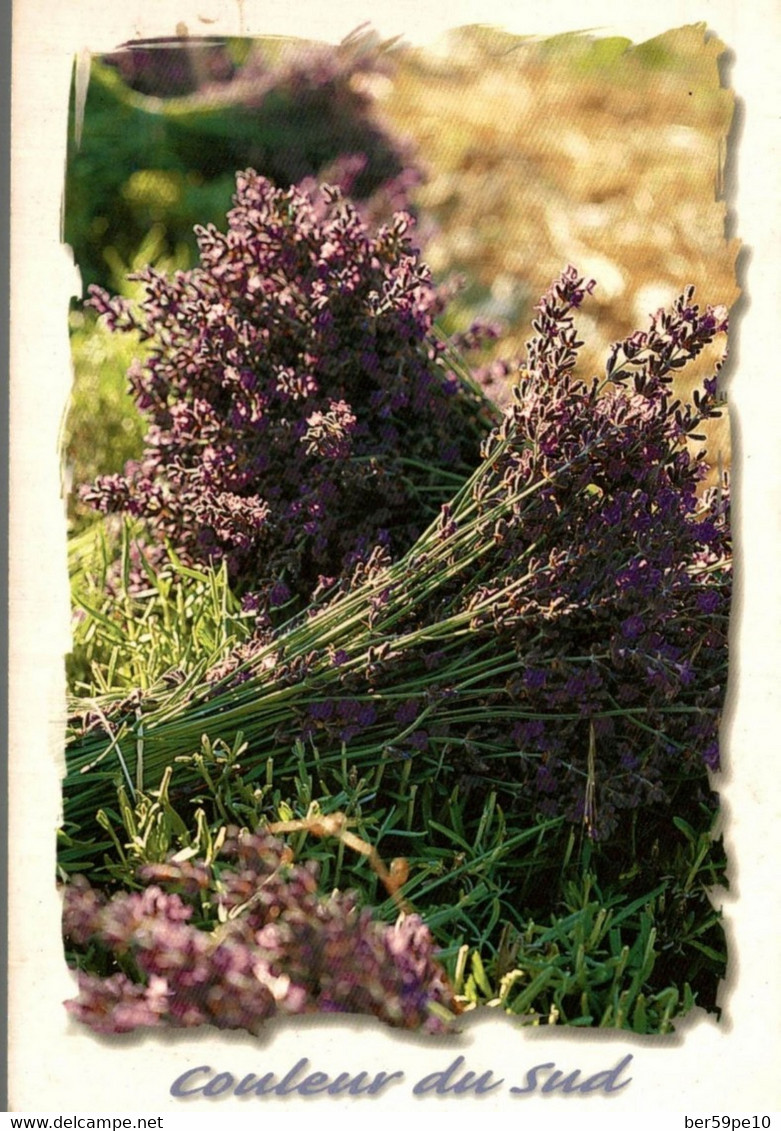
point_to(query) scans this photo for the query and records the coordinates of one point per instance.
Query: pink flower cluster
(279, 948)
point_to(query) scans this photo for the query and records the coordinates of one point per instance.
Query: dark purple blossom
(633, 627)
(407, 712)
(321, 711)
(708, 601)
(418, 740)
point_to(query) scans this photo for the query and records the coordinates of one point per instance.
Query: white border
(54, 1066)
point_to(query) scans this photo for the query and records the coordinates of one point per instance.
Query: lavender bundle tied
(558, 630)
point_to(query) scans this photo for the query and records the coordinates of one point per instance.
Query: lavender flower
(281, 948)
(299, 407)
(118, 1005)
(568, 610)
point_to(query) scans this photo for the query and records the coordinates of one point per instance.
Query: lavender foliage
(269, 945)
(300, 411)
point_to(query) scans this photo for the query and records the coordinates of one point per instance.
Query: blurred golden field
(576, 150)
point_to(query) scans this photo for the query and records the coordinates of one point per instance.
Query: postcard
(393, 613)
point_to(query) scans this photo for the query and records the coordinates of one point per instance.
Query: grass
(103, 427)
(130, 635)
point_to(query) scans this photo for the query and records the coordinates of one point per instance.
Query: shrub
(300, 410)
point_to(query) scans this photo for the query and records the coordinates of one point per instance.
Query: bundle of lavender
(559, 630)
(235, 947)
(301, 409)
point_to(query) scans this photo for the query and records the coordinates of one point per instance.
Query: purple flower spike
(294, 396)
